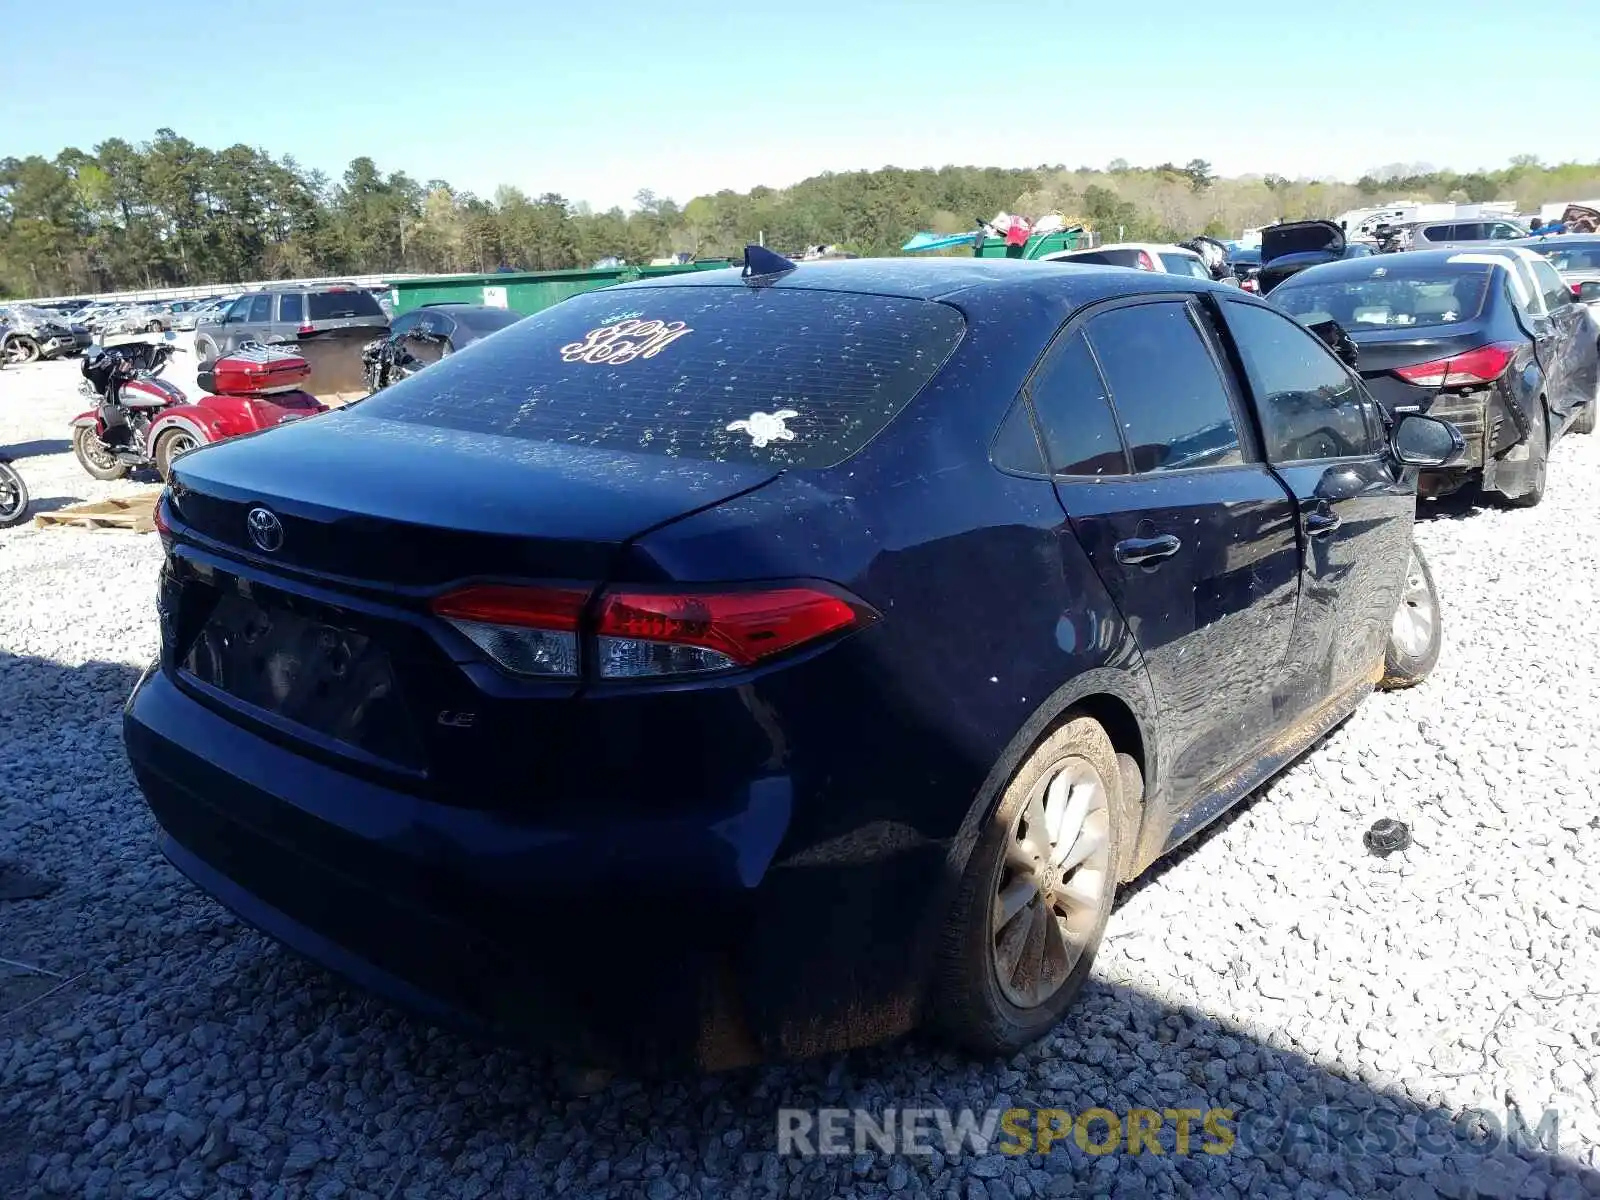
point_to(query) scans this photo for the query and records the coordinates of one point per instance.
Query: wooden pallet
(134, 513)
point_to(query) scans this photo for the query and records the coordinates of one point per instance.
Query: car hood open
(1302, 237)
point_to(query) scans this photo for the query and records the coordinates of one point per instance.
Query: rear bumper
(658, 945)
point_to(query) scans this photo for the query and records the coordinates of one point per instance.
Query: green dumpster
(528, 291)
(1037, 246)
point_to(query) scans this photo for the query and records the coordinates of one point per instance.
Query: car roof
(1370, 265)
(1555, 241)
(945, 278)
(1158, 247)
(1521, 252)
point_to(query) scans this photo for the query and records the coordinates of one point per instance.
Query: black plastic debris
(1386, 836)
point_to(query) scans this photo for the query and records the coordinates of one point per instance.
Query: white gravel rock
(1273, 968)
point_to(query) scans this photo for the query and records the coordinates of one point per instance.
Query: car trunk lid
(1301, 237)
(1382, 351)
(411, 506)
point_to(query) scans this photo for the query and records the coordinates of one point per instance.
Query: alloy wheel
(1053, 883)
(98, 452)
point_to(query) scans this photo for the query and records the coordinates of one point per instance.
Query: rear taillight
(536, 631)
(304, 329)
(1146, 263)
(526, 630)
(1474, 367)
(158, 515)
(645, 634)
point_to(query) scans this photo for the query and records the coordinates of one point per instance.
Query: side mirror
(1340, 342)
(1419, 440)
(1587, 292)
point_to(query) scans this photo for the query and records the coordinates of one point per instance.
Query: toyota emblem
(266, 531)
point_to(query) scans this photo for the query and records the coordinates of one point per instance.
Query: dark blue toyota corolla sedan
(750, 665)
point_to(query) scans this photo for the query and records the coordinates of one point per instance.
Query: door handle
(1131, 552)
(1321, 524)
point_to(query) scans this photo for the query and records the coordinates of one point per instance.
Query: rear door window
(1556, 294)
(333, 306)
(291, 308)
(1166, 388)
(1439, 233)
(1080, 430)
(1310, 406)
(785, 376)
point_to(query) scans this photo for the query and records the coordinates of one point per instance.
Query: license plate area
(304, 673)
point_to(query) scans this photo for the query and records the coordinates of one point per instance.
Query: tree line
(170, 212)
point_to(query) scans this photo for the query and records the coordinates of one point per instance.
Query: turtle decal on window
(765, 428)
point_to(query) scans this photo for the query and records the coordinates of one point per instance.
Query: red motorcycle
(142, 420)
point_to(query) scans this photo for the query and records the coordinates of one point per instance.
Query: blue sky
(598, 100)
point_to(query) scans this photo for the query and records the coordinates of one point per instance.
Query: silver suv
(287, 315)
(1443, 235)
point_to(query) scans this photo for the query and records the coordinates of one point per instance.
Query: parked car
(425, 335)
(1576, 258)
(37, 334)
(854, 618)
(1292, 246)
(1142, 256)
(1488, 340)
(194, 313)
(288, 313)
(1447, 234)
(1245, 262)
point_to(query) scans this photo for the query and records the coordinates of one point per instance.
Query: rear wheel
(1416, 632)
(1538, 461)
(204, 351)
(153, 327)
(94, 456)
(170, 446)
(13, 496)
(1035, 897)
(20, 348)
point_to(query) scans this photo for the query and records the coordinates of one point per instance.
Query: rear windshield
(1106, 258)
(782, 376)
(328, 306)
(1389, 296)
(484, 321)
(1584, 256)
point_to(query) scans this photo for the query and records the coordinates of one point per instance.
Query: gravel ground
(1275, 968)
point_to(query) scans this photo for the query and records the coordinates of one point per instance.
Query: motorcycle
(13, 495)
(141, 420)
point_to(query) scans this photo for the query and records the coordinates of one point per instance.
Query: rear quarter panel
(897, 743)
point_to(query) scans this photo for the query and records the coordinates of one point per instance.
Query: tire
(13, 497)
(1417, 630)
(88, 447)
(204, 351)
(977, 1002)
(20, 349)
(172, 444)
(1538, 462)
(153, 327)
(1585, 420)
